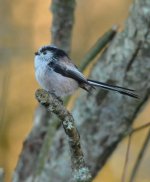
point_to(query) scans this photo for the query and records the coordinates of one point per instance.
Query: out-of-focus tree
(103, 119)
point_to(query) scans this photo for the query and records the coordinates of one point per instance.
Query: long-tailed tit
(56, 73)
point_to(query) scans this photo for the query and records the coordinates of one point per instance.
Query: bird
(56, 73)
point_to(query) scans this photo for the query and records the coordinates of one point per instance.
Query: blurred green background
(25, 26)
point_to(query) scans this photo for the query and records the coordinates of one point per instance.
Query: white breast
(52, 81)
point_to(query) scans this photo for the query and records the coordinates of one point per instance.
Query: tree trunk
(104, 118)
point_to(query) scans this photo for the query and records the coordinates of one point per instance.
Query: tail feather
(121, 90)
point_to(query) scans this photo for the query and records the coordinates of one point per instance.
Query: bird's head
(50, 53)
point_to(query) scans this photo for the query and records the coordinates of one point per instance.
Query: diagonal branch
(140, 157)
(104, 118)
(98, 47)
(63, 19)
(123, 178)
(53, 104)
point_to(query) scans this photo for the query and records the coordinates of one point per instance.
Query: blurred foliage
(25, 26)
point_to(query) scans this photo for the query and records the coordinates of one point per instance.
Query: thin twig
(139, 158)
(131, 131)
(128, 148)
(123, 179)
(140, 128)
(81, 172)
(97, 47)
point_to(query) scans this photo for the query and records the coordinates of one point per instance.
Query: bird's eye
(44, 52)
(51, 63)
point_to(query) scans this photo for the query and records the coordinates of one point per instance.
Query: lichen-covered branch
(63, 20)
(28, 166)
(103, 118)
(52, 103)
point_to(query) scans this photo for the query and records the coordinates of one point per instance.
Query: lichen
(82, 175)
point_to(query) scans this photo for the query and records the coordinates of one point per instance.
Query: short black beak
(36, 53)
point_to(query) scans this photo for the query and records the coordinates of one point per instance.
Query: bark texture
(63, 20)
(28, 166)
(104, 117)
(53, 104)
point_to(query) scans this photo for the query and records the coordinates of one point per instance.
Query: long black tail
(121, 90)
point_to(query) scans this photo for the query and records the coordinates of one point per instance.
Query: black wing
(68, 70)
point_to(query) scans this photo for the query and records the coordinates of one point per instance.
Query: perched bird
(56, 73)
